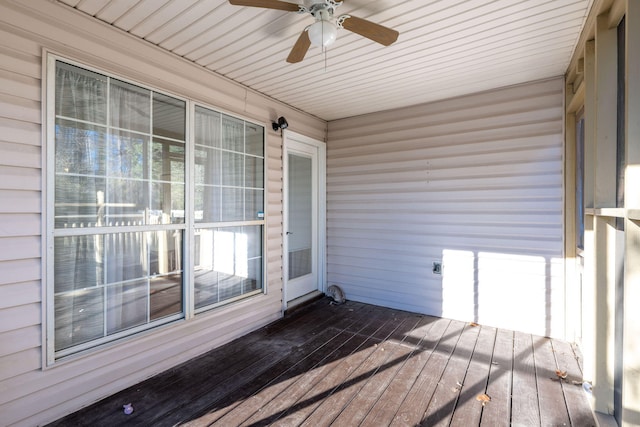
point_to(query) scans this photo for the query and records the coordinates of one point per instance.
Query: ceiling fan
(323, 32)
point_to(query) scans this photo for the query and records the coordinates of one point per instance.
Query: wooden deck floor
(356, 364)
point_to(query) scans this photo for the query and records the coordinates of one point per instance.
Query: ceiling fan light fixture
(322, 33)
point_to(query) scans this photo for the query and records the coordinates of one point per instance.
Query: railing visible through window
(118, 210)
(229, 170)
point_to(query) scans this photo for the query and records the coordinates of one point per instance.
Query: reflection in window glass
(120, 208)
(228, 263)
(129, 107)
(121, 173)
(168, 117)
(117, 280)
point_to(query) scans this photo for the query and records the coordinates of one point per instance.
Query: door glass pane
(300, 215)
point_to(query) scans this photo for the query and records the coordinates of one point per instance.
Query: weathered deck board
(524, 409)
(498, 412)
(361, 365)
(357, 364)
(380, 370)
(306, 380)
(573, 394)
(468, 411)
(553, 410)
(447, 393)
(249, 396)
(385, 408)
(415, 405)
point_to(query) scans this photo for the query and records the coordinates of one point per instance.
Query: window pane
(232, 208)
(206, 278)
(167, 204)
(255, 140)
(232, 134)
(168, 116)
(229, 286)
(111, 171)
(228, 263)
(253, 281)
(165, 252)
(80, 148)
(140, 272)
(128, 154)
(208, 204)
(166, 296)
(207, 166)
(78, 317)
(232, 169)
(168, 161)
(130, 107)
(126, 305)
(254, 238)
(78, 262)
(127, 201)
(207, 127)
(80, 94)
(79, 201)
(254, 172)
(125, 256)
(254, 205)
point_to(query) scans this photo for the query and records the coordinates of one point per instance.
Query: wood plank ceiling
(446, 48)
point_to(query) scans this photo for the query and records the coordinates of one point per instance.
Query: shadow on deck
(357, 364)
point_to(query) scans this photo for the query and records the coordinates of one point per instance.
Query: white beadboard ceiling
(446, 48)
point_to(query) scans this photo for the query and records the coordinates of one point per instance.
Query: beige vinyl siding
(475, 183)
(31, 394)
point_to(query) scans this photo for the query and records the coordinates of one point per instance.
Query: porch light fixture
(280, 124)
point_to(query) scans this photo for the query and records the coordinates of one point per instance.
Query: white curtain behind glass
(80, 184)
(103, 283)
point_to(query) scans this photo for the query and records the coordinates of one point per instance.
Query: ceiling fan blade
(267, 4)
(370, 30)
(299, 49)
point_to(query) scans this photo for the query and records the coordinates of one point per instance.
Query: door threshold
(299, 302)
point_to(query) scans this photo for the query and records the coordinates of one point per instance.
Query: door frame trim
(287, 137)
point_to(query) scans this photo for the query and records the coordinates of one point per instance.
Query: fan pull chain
(325, 59)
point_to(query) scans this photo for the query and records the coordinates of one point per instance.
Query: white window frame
(50, 358)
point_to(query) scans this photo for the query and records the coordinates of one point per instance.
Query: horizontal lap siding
(474, 183)
(29, 394)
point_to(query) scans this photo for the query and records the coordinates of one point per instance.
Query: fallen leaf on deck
(561, 374)
(483, 398)
(473, 324)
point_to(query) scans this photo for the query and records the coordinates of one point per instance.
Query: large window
(120, 232)
(229, 187)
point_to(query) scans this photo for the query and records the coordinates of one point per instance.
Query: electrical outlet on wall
(436, 268)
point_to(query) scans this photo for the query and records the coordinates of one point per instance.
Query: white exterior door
(304, 227)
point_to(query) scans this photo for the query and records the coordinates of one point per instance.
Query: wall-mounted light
(280, 124)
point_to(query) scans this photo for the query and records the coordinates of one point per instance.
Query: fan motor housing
(314, 6)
